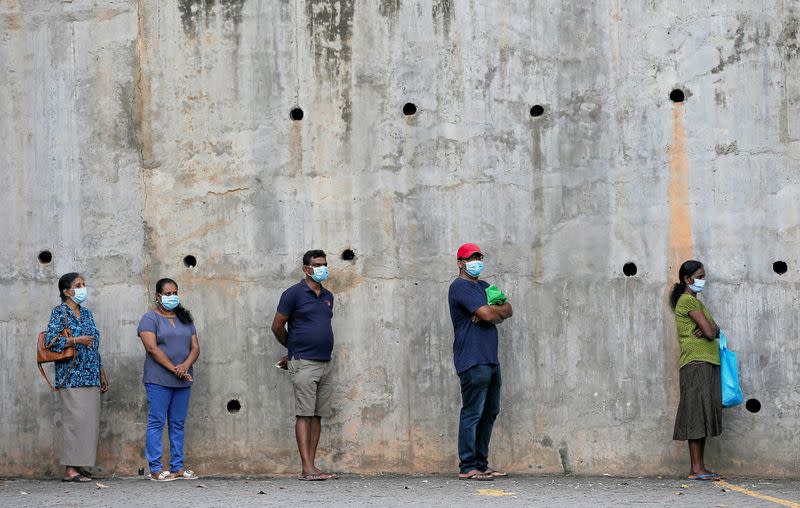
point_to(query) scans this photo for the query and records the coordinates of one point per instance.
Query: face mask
(320, 273)
(473, 268)
(698, 285)
(80, 295)
(169, 302)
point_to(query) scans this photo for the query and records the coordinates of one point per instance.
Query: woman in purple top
(170, 340)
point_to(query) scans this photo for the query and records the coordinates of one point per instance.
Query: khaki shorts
(312, 387)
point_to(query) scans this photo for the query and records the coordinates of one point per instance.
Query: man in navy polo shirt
(475, 358)
(307, 308)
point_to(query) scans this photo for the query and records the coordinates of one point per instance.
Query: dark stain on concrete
(124, 135)
(191, 11)
(194, 11)
(389, 8)
(563, 453)
(738, 50)
(330, 24)
(442, 14)
(725, 149)
(787, 41)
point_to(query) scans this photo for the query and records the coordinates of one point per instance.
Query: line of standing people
(302, 324)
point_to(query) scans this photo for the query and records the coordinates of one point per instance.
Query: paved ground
(390, 490)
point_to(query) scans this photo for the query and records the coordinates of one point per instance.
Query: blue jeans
(480, 405)
(165, 404)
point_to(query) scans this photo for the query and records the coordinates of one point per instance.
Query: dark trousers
(480, 404)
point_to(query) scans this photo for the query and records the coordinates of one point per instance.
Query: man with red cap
(475, 358)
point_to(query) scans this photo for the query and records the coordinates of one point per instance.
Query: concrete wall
(136, 133)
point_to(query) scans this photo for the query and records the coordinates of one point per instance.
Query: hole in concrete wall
(629, 269)
(234, 406)
(348, 255)
(779, 267)
(296, 114)
(537, 110)
(409, 108)
(45, 257)
(677, 95)
(753, 405)
(190, 261)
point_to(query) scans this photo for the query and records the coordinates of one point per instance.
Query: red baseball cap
(467, 250)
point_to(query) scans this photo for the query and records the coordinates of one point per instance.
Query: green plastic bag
(494, 296)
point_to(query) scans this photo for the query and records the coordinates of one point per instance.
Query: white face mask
(80, 295)
(698, 285)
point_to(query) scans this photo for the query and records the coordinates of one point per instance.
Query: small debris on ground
(201, 486)
(100, 485)
(261, 492)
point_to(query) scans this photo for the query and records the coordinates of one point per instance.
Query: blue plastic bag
(729, 374)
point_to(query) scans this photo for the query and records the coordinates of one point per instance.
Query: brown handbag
(45, 355)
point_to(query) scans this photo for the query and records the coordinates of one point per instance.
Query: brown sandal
(476, 476)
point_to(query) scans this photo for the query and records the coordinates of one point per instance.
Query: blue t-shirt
(175, 341)
(475, 343)
(310, 330)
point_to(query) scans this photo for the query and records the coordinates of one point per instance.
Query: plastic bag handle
(723, 341)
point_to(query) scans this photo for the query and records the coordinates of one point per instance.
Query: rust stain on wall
(680, 220)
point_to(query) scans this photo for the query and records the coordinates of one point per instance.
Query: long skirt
(700, 408)
(80, 425)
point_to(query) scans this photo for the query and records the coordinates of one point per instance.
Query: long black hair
(686, 270)
(65, 282)
(183, 314)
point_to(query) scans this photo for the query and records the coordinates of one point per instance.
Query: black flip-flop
(85, 473)
(78, 478)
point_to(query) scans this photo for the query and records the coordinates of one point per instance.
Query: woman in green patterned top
(700, 407)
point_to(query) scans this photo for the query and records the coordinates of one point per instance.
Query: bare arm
(150, 345)
(504, 310)
(494, 314)
(279, 328)
(706, 329)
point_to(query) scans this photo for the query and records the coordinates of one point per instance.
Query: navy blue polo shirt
(475, 343)
(310, 331)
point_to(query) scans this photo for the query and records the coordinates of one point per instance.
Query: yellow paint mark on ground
(495, 492)
(763, 497)
(680, 220)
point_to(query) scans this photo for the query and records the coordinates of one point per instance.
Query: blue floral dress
(86, 370)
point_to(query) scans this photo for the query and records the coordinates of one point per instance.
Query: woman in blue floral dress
(81, 381)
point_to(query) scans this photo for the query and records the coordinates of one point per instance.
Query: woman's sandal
(84, 473)
(78, 478)
(187, 474)
(476, 476)
(163, 476)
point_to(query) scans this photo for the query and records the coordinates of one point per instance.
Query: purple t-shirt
(175, 341)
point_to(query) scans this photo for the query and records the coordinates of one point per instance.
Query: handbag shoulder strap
(66, 376)
(66, 332)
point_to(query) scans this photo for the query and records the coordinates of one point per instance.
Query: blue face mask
(80, 295)
(698, 285)
(169, 302)
(473, 268)
(320, 273)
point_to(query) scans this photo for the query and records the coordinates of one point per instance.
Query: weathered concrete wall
(139, 132)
